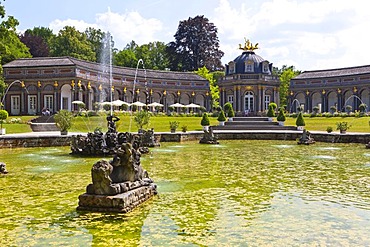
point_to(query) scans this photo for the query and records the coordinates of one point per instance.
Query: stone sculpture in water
(306, 138)
(208, 137)
(3, 168)
(98, 143)
(118, 185)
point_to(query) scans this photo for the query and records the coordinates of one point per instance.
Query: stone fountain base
(123, 202)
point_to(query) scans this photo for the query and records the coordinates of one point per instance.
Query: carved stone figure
(208, 137)
(120, 174)
(112, 123)
(3, 168)
(148, 139)
(102, 183)
(97, 143)
(306, 138)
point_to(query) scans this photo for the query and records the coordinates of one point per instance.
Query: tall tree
(213, 87)
(36, 44)
(154, 55)
(285, 75)
(127, 56)
(196, 45)
(44, 32)
(98, 42)
(10, 46)
(71, 42)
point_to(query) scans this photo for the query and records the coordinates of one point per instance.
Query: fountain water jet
(134, 88)
(295, 100)
(7, 89)
(350, 97)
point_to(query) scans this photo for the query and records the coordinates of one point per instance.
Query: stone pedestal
(123, 203)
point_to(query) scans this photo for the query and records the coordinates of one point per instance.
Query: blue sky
(309, 34)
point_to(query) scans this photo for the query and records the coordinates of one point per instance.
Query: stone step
(43, 119)
(250, 123)
(254, 127)
(41, 127)
(250, 119)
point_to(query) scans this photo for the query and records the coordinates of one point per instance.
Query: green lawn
(358, 124)
(161, 123)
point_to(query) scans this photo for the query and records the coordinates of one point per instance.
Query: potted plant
(205, 121)
(184, 128)
(270, 112)
(63, 119)
(300, 121)
(281, 116)
(315, 110)
(343, 127)
(221, 118)
(142, 118)
(362, 107)
(228, 107)
(333, 109)
(3, 116)
(348, 109)
(174, 125)
(329, 129)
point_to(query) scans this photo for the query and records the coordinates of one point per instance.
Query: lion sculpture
(118, 175)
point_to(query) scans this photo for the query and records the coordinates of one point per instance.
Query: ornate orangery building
(55, 82)
(324, 89)
(248, 82)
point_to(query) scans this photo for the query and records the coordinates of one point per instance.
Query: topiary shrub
(205, 120)
(270, 111)
(229, 110)
(221, 116)
(300, 120)
(3, 116)
(273, 105)
(281, 116)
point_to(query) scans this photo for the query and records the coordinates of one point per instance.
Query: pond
(246, 192)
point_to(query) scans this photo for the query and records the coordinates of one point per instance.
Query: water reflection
(281, 192)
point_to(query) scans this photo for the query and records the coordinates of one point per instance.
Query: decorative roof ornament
(248, 46)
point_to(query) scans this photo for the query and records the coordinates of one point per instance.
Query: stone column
(39, 100)
(22, 103)
(339, 100)
(90, 99)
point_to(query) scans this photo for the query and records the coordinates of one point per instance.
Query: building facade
(55, 82)
(326, 89)
(248, 83)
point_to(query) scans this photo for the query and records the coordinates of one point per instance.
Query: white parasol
(192, 105)
(177, 105)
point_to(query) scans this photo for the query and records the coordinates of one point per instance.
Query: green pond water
(239, 193)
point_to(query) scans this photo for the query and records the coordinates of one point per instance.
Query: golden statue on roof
(248, 46)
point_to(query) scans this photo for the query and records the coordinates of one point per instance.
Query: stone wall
(12, 141)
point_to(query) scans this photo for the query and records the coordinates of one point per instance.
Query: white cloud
(311, 34)
(130, 26)
(124, 27)
(80, 25)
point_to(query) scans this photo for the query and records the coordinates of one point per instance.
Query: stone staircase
(252, 123)
(43, 123)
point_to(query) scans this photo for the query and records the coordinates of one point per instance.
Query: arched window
(249, 66)
(249, 101)
(231, 67)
